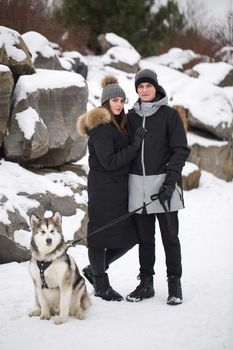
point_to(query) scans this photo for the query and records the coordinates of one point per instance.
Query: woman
(109, 161)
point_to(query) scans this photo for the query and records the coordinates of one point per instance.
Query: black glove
(165, 193)
(138, 137)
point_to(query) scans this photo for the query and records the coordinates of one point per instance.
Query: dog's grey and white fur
(60, 289)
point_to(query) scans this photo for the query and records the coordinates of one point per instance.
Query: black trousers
(100, 259)
(146, 230)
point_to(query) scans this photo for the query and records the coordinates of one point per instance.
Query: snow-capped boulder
(23, 193)
(14, 53)
(6, 87)
(225, 54)
(74, 61)
(177, 58)
(212, 155)
(42, 51)
(121, 54)
(42, 129)
(218, 73)
(190, 176)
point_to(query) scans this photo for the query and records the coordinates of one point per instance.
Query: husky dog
(59, 288)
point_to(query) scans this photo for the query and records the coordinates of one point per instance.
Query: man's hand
(138, 137)
(165, 193)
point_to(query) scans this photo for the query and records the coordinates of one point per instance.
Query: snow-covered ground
(203, 322)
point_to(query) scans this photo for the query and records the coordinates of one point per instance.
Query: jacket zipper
(143, 163)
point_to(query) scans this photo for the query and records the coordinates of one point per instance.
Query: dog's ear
(34, 220)
(57, 218)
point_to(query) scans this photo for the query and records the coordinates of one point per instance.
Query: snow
(27, 121)
(68, 58)
(15, 179)
(118, 54)
(37, 43)
(213, 72)
(4, 68)
(203, 141)
(189, 168)
(116, 40)
(74, 54)
(46, 79)
(10, 38)
(229, 93)
(203, 321)
(175, 58)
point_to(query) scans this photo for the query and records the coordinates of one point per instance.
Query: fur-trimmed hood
(92, 119)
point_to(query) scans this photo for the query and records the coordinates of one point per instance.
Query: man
(157, 169)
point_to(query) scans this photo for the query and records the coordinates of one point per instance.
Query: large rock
(178, 59)
(219, 73)
(42, 130)
(11, 251)
(14, 53)
(190, 176)
(211, 155)
(43, 54)
(74, 61)
(6, 87)
(39, 192)
(121, 54)
(225, 54)
(209, 109)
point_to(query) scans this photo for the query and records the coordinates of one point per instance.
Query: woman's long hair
(120, 126)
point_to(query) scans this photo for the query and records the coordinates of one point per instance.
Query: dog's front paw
(34, 313)
(80, 315)
(54, 311)
(60, 320)
(45, 315)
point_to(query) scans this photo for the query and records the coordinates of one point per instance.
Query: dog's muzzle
(49, 241)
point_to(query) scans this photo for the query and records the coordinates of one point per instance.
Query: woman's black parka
(109, 161)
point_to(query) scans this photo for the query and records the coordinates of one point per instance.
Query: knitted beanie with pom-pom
(111, 89)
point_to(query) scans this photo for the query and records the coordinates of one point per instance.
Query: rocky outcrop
(213, 156)
(17, 208)
(190, 176)
(213, 115)
(6, 87)
(225, 54)
(218, 73)
(119, 50)
(222, 130)
(14, 53)
(179, 59)
(74, 61)
(43, 54)
(42, 129)
(11, 251)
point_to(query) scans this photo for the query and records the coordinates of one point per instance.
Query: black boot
(87, 272)
(104, 290)
(174, 291)
(144, 290)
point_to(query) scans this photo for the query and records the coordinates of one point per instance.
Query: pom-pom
(109, 79)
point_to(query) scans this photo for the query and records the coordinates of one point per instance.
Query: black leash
(154, 197)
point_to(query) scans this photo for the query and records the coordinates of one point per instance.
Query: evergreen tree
(130, 19)
(125, 18)
(166, 25)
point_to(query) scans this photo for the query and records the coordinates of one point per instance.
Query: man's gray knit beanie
(146, 76)
(111, 89)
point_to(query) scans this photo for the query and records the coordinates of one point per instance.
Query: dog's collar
(43, 265)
